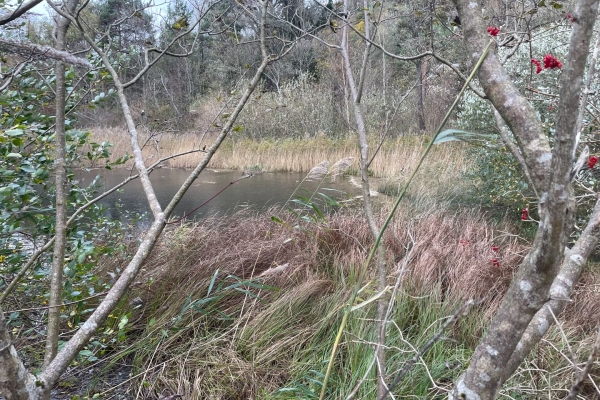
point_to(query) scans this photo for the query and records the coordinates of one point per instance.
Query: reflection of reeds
(395, 159)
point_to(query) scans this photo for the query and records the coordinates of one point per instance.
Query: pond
(259, 191)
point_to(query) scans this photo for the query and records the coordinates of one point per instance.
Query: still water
(260, 191)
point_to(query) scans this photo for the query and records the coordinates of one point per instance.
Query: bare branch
(561, 290)
(12, 74)
(39, 52)
(15, 381)
(420, 56)
(586, 370)
(586, 91)
(20, 10)
(505, 135)
(463, 310)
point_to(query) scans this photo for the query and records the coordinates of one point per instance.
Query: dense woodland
(175, 91)
(455, 274)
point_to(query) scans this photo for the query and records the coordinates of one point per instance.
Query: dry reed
(395, 159)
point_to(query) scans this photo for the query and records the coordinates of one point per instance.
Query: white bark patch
(485, 377)
(559, 291)
(577, 259)
(491, 351)
(89, 326)
(472, 5)
(544, 158)
(466, 393)
(566, 281)
(525, 286)
(543, 325)
(519, 346)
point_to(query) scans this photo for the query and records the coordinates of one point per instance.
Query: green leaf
(275, 219)
(14, 132)
(463, 136)
(329, 200)
(212, 281)
(123, 322)
(14, 155)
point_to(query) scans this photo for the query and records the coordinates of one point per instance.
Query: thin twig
(586, 370)
(57, 305)
(209, 200)
(408, 366)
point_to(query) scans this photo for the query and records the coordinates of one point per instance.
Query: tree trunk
(551, 175)
(420, 95)
(60, 234)
(16, 383)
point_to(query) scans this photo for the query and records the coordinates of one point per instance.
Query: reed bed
(244, 307)
(396, 158)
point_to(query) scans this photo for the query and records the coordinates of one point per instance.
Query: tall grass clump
(245, 307)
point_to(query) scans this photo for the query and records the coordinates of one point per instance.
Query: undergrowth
(247, 307)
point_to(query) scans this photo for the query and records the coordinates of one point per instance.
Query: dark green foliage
(27, 213)
(499, 181)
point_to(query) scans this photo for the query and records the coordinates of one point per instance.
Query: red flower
(495, 248)
(495, 262)
(524, 214)
(551, 62)
(492, 30)
(538, 66)
(592, 161)
(571, 18)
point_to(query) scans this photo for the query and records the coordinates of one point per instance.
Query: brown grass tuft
(251, 341)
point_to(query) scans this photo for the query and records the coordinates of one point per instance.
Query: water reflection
(260, 191)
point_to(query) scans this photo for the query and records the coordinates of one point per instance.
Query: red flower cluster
(495, 260)
(464, 242)
(524, 214)
(592, 161)
(571, 18)
(538, 66)
(551, 62)
(492, 30)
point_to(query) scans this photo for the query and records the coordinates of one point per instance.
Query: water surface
(260, 191)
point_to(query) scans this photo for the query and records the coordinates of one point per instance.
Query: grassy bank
(246, 308)
(395, 159)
